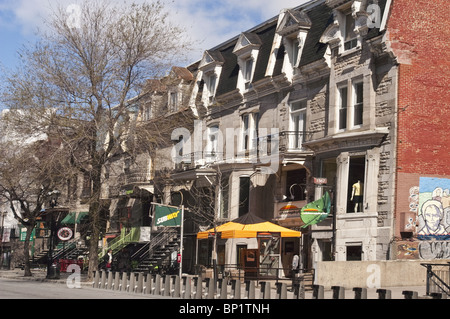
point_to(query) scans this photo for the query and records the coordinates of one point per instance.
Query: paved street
(30, 289)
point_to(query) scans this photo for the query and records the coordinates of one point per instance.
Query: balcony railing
(263, 146)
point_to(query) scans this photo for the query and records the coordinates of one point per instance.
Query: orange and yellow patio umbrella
(248, 226)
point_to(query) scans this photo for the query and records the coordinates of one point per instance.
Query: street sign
(320, 180)
(65, 233)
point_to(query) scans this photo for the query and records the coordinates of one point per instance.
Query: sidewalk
(396, 292)
(41, 275)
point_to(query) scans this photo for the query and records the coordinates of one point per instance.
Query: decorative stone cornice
(348, 140)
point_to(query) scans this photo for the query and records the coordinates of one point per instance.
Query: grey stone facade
(312, 107)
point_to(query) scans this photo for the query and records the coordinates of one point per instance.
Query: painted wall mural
(425, 215)
(434, 209)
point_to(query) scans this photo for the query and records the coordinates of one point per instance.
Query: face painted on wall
(432, 216)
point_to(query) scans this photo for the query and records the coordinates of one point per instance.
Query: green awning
(70, 218)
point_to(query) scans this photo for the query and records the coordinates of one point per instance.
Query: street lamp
(53, 202)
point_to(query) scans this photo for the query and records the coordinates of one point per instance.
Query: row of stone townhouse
(332, 95)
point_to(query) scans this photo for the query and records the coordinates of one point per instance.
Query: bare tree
(93, 69)
(30, 169)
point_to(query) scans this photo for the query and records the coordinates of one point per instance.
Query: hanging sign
(65, 233)
(167, 216)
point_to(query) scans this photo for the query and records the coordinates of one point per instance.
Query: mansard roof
(320, 16)
(314, 16)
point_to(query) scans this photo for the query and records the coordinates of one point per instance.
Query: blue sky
(207, 22)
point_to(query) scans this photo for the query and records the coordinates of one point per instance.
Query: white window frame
(297, 139)
(249, 132)
(213, 143)
(357, 104)
(173, 101)
(349, 42)
(211, 85)
(341, 109)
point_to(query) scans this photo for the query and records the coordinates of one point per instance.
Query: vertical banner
(168, 216)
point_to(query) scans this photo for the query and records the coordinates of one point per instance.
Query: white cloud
(208, 23)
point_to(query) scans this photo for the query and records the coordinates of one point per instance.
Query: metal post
(181, 239)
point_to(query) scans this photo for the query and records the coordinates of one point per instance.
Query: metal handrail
(433, 278)
(262, 272)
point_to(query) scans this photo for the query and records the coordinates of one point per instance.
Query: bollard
(235, 289)
(410, 294)
(223, 286)
(338, 292)
(116, 284)
(281, 290)
(210, 288)
(299, 290)
(109, 280)
(123, 283)
(384, 294)
(140, 283)
(186, 290)
(166, 290)
(131, 283)
(438, 295)
(96, 279)
(265, 290)
(360, 293)
(318, 292)
(148, 284)
(198, 289)
(249, 289)
(103, 279)
(156, 287)
(175, 291)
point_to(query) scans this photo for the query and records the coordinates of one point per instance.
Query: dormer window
(246, 50)
(211, 68)
(348, 28)
(350, 38)
(293, 27)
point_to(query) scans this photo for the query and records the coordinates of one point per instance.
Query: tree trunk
(26, 251)
(94, 213)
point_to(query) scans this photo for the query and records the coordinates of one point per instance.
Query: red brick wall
(419, 35)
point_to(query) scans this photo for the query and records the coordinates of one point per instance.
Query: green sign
(23, 234)
(317, 211)
(167, 216)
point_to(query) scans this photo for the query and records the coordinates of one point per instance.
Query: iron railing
(438, 278)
